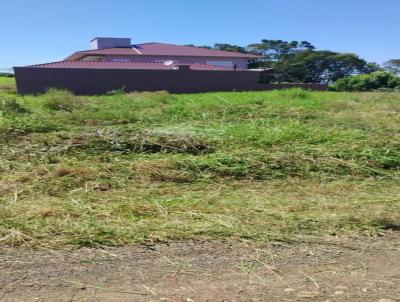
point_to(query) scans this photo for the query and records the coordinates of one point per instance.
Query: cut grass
(124, 168)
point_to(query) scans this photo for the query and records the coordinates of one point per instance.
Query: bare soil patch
(309, 269)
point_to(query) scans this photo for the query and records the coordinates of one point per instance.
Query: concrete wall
(31, 80)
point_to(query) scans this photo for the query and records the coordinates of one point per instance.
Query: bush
(11, 105)
(60, 100)
(6, 75)
(378, 80)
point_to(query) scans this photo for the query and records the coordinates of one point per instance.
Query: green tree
(230, 47)
(312, 66)
(294, 61)
(199, 46)
(392, 66)
(275, 50)
(367, 82)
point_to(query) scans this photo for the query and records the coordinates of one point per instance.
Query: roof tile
(124, 65)
(162, 49)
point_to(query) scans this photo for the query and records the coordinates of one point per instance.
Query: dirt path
(329, 269)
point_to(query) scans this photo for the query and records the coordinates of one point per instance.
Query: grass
(7, 84)
(124, 168)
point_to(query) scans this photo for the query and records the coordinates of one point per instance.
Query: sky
(39, 31)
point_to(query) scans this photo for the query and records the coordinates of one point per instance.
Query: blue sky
(37, 31)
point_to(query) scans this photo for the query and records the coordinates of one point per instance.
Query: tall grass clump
(10, 105)
(63, 100)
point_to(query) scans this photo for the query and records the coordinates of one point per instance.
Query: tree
(223, 46)
(294, 61)
(392, 66)
(275, 50)
(230, 47)
(322, 66)
(312, 66)
(199, 46)
(367, 82)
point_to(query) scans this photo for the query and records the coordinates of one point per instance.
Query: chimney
(100, 42)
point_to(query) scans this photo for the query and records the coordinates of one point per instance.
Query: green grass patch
(124, 168)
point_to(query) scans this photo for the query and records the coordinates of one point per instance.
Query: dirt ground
(323, 269)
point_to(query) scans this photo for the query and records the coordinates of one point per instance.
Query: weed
(141, 142)
(12, 106)
(60, 100)
(132, 167)
(161, 170)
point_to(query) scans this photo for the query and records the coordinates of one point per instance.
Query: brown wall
(33, 80)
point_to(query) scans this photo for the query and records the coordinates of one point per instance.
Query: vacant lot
(130, 168)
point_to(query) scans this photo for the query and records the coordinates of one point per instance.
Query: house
(114, 63)
(121, 50)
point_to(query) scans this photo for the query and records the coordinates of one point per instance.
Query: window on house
(228, 64)
(92, 58)
(119, 60)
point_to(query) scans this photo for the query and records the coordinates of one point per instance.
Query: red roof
(124, 65)
(162, 49)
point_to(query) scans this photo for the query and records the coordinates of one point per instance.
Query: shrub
(6, 74)
(11, 105)
(378, 80)
(60, 100)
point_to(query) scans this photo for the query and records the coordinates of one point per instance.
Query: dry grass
(161, 170)
(122, 168)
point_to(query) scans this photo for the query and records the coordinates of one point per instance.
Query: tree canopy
(275, 50)
(312, 66)
(230, 47)
(392, 66)
(299, 61)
